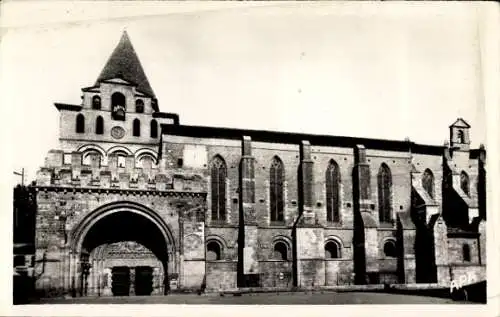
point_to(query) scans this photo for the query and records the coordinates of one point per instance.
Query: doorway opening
(120, 281)
(143, 280)
(123, 253)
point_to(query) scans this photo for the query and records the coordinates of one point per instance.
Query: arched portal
(141, 242)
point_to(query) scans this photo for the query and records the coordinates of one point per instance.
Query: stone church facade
(135, 203)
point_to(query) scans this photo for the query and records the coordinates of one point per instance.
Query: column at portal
(132, 281)
(90, 279)
(75, 286)
(156, 282)
(93, 278)
(67, 271)
(71, 272)
(176, 269)
(181, 269)
(100, 277)
(101, 273)
(108, 279)
(62, 270)
(98, 273)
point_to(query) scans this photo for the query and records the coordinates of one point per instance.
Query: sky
(379, 70)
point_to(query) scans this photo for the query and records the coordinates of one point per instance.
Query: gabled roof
(460, 123)
(296, 138)
(124, 63)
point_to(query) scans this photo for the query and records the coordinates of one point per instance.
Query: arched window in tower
(96, 102)
(80, 123)
(154, 128)
(464, 182)
(136, 127)
(428, 182)
(139, 106)
(461, 137)
(118, 106)
(276, 177)
(466, 253)
(332, 192)
(218, 190)
(384, 180)
(99, 125)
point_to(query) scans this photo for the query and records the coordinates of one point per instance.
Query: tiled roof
(124, 63)
(296, 138)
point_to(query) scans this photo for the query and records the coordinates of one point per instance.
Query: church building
(133, 202)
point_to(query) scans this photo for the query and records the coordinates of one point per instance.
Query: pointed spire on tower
(124, 63)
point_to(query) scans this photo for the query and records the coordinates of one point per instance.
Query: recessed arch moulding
(78, 230)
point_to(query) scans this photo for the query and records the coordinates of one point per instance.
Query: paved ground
(262, 298)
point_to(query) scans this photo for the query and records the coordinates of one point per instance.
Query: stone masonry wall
(68, 192)
(221, 275)
(61, 212)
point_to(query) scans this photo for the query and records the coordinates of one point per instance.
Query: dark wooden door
(120, 283)
(143, 280)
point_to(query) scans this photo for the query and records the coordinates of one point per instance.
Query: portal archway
(115, 224)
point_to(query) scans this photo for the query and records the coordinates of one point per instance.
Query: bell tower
(121, 106)
(459, 135)
(118, 114)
